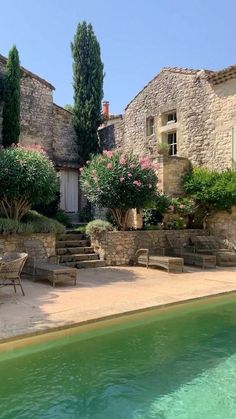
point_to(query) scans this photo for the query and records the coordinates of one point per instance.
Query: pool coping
(52, 333)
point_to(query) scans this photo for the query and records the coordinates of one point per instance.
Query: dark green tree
(88, 88)
(11, 107)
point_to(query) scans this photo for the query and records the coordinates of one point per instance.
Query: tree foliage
(211, 189)
(27, 178)
(11, 108)
(119, 182)
(88, 88)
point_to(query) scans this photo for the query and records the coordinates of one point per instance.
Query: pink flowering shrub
(119, 182)
(27, 178)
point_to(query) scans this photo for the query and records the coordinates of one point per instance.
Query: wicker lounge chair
(212, 245)
(172, 264)
(11, 265)
(42, 266)
(178, 247)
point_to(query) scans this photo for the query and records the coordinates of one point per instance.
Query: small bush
(96, 227)
(157, 208)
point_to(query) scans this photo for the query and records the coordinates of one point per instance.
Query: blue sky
(137, 38)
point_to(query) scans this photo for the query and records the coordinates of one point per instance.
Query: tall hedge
(88, 88)
(11, 108)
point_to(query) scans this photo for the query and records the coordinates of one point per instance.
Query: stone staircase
(74, 249)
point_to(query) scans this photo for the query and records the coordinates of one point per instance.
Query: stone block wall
(119, 247)
(170, 173)
(206, 114)
(15, 243)
(65, 147)
(223, 225)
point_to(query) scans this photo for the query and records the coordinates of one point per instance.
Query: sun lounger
(212, 245)
(172, 264)
(178, 248)
(42, 266)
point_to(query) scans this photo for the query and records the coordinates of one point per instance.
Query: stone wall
(206, 114)
(41, 121)
(170, 173)
(223, 225)
(65, 147)
(15, 243)
(119, 247)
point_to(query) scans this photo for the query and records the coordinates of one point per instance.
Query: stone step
(78, 258)
(74, 250)
(91, 264)
(85, 264)
(72, 243)
(66, 237)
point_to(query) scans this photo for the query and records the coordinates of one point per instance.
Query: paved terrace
(104, 292)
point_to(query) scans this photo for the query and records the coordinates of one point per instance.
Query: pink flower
(81, 169)
(88, 161)
(109, 166)
(129, 174)
(95, 178)
(182, 206)
(137, 183)
(122, 179)
(132, 166)
(122, 161)
(108, 153)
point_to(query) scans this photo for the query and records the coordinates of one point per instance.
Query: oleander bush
(27, 179)
(119, 182)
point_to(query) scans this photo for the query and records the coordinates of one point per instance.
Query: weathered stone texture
(223, 225)
(65, 147)
(42, 122)
(206, 114)
(15, 243)
(111, 134)
(119, 247)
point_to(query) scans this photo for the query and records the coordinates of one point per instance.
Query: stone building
(45, 123)
(193, 112)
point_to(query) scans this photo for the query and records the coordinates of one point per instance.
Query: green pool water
(170, 365)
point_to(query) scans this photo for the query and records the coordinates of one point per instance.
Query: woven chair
(11, 265)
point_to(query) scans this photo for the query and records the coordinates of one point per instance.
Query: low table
(199, 259)
(172, 264)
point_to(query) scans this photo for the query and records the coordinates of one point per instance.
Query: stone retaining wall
(223, 225)
(119, 247)
(15, 243)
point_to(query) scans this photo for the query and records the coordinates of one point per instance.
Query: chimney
(105, 108)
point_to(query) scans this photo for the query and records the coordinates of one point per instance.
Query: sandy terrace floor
(104, 292)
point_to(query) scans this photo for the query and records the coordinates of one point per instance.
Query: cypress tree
(88, 89)
(11, 107)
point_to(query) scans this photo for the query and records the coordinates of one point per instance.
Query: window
(171, 117)
(172, 142)
(149, 125)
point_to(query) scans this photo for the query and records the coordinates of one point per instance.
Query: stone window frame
(172, 142)
(165, 121)
(150, 125)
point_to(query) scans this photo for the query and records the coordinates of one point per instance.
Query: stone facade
(42, 122)
(15, 242)
(204, 103)
(119, 247)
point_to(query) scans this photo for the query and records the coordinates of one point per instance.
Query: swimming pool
(177, 363)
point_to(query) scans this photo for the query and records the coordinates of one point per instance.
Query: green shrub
(27, 178)
(211, 189)
(86, 215)
(119, 182)
(62, 218)
(96, 227)
(156, 210)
